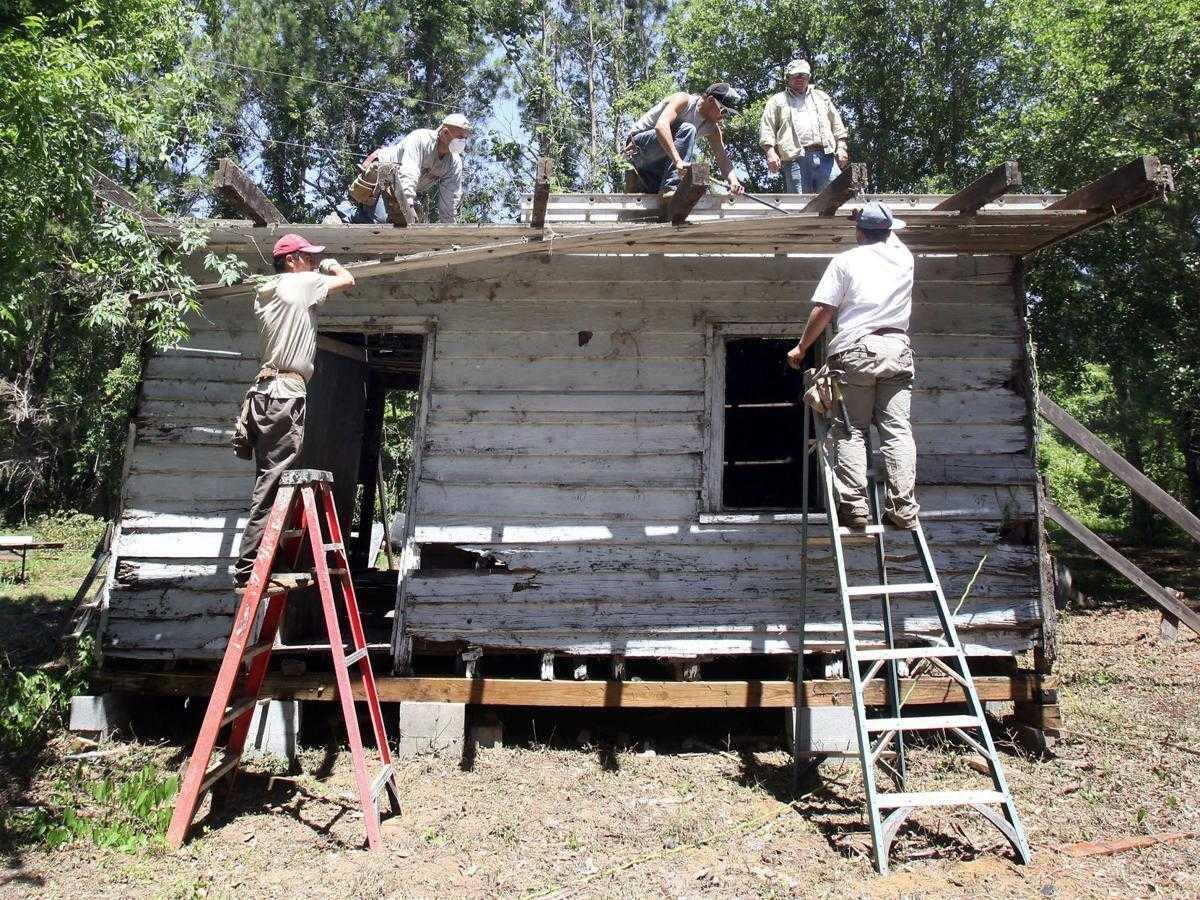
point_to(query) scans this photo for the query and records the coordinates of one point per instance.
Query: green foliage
(34, 702)
(129, 814)
(399, 419)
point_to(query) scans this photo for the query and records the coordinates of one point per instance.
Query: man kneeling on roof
(662, 143)
(397, 173)
(867, 292)
(271, 423)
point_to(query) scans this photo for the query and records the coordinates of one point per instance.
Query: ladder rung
(239, 709)
(212, 776)
(334, 546)
(872, 590)
(289, 581)
(256, 650)
(923, 723)
(381, 779)
(291, 533)
(939, 798)
(859, 532)
(336, 573)
(906, 653)
(356, 656)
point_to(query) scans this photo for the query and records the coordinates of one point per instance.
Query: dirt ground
(673, 818)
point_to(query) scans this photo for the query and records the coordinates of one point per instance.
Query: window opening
(761, 468)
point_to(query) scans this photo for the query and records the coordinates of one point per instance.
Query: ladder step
(239, 709)
(356, 656)
(256, 650)
(939, 798)
(338, 573)
(288, 581)
(382, 779)
(872, 590)
(923, 723)
(334, 546)
(223, 768)
(290, 533)
(907, 653)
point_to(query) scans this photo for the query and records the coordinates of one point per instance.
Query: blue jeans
(810, 172)
(369, 215)
(653, 166)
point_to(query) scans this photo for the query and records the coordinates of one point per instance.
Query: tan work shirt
(781, 126)
(287, 322)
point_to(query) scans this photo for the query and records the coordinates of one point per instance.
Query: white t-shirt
(287, 326)
(870, 286)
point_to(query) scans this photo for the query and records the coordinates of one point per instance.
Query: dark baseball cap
(729, 97)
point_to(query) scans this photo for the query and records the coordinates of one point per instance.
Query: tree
(85, 84)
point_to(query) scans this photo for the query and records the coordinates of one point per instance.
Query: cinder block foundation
(432, 728)
(99, 716)
(824, 729)
(275, 729)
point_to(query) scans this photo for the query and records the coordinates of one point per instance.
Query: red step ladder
(305, 498)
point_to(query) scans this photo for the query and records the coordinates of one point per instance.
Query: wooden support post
(692, 186)
(687, 670)
(541, 193)
(1137, 182)
(1002, 179)
(368, 468)
(1119, 466)
(469, 662)
(1097, 545)
(232, 184)
(849, 184)
(618, 667)
(547, 666)
(580, 672)
(112, 193)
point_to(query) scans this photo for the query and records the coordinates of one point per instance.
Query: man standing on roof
(802, 133)
(423, 159)
(271, 423)
(867, 292)
(662, 142)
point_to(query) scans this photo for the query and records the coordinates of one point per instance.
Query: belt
(889, 331)
(808, 147)
(272, 372)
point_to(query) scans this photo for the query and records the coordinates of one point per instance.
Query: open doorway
(363, 407)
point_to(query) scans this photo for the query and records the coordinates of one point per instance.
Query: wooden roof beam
(849, 184)
(1138, 182)
(692, 186)
(114, 194)
(1002, 179)
(232, 184)
(541, 193)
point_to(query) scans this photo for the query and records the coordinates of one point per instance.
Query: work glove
(328, 266)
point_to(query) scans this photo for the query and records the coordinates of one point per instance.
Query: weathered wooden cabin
(606, 456)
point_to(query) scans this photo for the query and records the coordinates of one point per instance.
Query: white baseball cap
(797, 67)
(457, 120)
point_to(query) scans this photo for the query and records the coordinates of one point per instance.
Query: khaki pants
(276, 428)
(876, 378)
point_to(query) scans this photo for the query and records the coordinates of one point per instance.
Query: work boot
(907, 523)
(853, 518)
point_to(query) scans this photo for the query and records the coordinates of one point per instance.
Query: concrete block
(437, 728)
(824, 729)
(275, 729)
(99, 716)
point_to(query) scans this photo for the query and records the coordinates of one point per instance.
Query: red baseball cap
(293, 243)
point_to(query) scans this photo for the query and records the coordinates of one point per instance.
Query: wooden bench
(19, 546)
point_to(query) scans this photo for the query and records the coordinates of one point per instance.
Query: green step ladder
(881, 738)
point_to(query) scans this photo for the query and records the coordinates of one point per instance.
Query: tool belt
(364, 190)
(243, 442)
(822, 389)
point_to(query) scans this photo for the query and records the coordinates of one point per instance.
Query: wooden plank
(1100, 547)
(541, 193)
(850, 183)
(1138, 181)
(232, 184)
(341, 348)
(1119, 466)
(983, 191)
(111, 192)
(692, 186)
(536, 692)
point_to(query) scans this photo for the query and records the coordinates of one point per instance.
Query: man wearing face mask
(802, 133)
(397, 173)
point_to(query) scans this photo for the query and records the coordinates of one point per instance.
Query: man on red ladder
(271, 424)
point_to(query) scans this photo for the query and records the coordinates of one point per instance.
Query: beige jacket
(775, 128)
